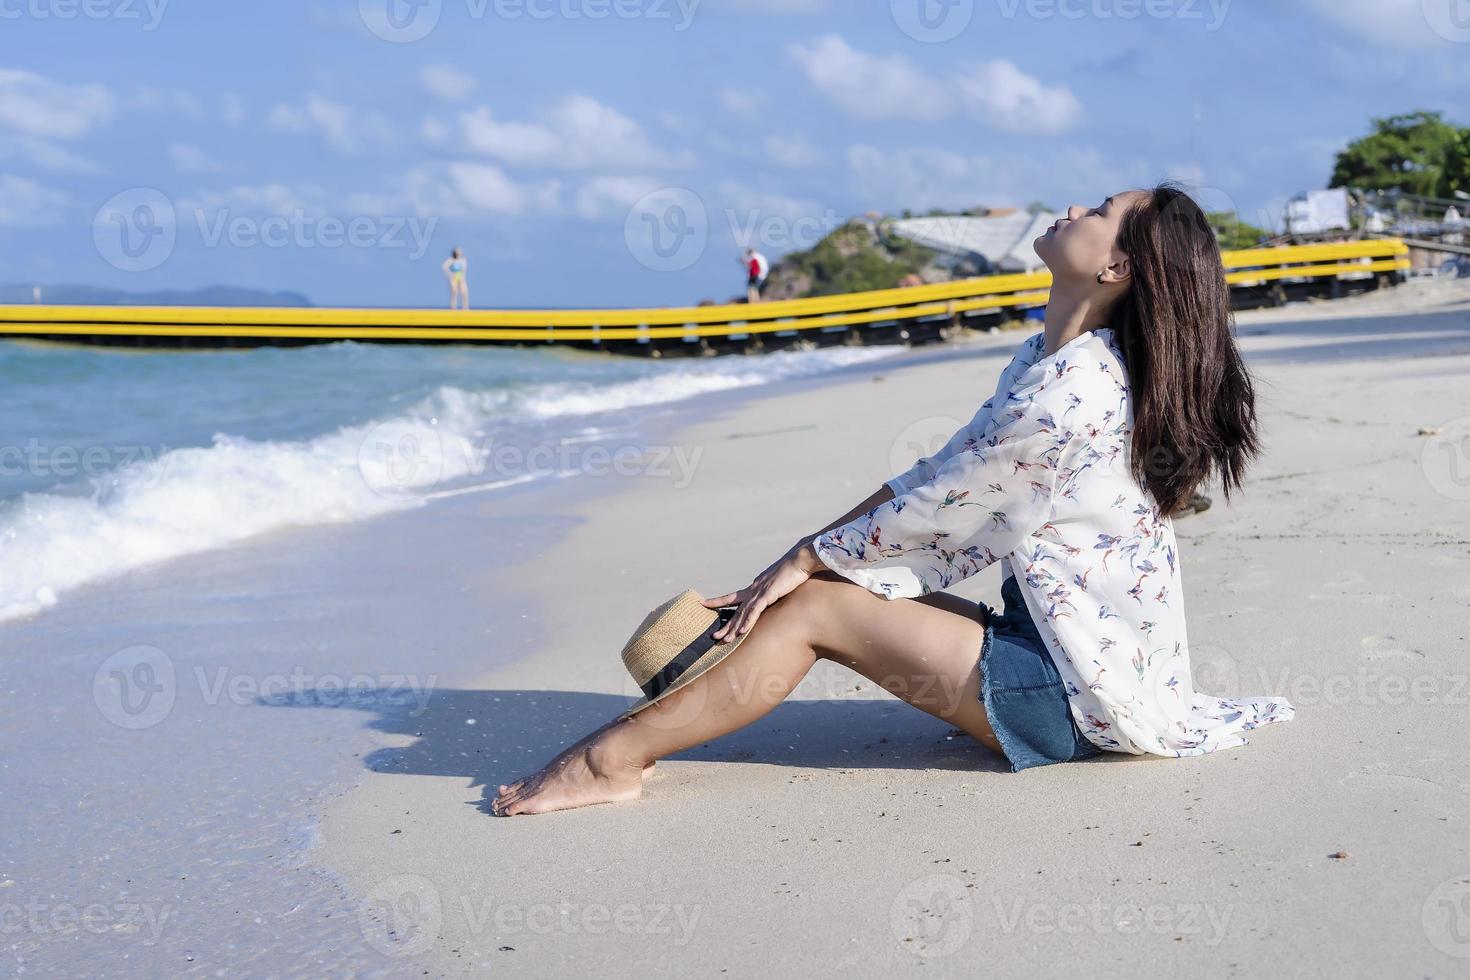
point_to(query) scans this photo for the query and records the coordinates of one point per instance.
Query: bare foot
(583, 775)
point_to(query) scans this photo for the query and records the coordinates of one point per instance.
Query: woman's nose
(1074, 211)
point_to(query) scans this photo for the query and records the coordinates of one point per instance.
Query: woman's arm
(982, 503)
(880, 496)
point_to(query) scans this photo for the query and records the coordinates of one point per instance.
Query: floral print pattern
(1039, 480)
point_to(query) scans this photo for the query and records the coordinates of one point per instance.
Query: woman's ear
(1121, 270)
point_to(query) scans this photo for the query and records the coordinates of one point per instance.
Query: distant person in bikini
(459, 289)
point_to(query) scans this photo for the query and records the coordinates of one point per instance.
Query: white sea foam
(189, 500)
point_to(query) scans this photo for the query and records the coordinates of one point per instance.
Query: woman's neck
(1069, 315)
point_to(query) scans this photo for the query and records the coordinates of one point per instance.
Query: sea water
(112, 459)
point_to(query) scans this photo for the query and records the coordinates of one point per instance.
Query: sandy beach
(316, 800)
(849, 834)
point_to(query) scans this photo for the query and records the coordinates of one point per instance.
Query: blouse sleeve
(981, 502)
(925, 467)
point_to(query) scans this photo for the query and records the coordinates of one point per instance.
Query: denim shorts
(1024, 696)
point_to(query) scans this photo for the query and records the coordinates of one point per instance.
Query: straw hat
(673, 646)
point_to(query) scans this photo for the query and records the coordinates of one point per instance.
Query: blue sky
(621, 152)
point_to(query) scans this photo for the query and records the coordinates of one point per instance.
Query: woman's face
(1085, 241)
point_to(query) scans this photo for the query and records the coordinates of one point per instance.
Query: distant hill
(862, 254)
(76, 295)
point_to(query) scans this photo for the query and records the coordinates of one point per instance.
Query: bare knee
(820, 606)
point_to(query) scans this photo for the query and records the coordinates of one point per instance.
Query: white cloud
(347, 130)
(447, 82)
(1008, 98)
(1404, 23)
(791, 152)
(601, 197)
(190, 159)
(578, 133)
(742, 102)
(26, 204)
(169, 101)
(754, 214)
(436, 131)
(45, 155)
(37, 106)
(877, 87)
(920, 178)
(870, 86)
(231, 109)
(269, 199)
(917, 177)
(485, 187)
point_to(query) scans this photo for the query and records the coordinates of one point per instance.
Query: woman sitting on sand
(1100, 430)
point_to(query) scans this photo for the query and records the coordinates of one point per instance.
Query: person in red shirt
(756, 270)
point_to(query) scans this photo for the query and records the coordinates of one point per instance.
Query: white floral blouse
(1039, 481)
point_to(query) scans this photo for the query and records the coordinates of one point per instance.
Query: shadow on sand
(493, 737)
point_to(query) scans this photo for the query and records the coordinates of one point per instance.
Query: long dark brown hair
(1194, 404)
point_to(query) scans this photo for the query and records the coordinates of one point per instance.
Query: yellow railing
(939, 300)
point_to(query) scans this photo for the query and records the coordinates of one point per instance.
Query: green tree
(1457, 167)
(1234, 233)
(1416, 152)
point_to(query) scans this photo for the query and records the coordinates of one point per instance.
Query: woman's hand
(789, 571)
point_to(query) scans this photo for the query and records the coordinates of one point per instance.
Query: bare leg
(924, 652)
